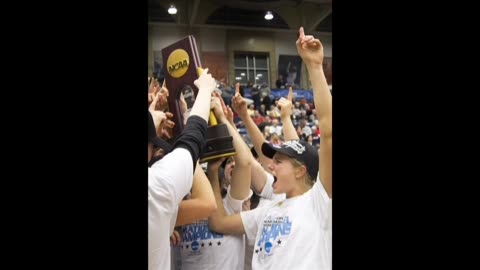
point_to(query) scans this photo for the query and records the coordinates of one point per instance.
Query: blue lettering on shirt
(198, 231)
(273, 228)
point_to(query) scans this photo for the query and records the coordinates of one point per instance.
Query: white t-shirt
(266, 197)
(169, 180)
(203, 249)
(291, 234)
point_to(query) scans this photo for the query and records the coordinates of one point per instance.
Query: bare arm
(240, 183)
(205, 84)
(289, 132)
(163, 117)
(258, 139)
(258, 174)
(240, 106)
(311, 51)
(202, 203)
(219, 221)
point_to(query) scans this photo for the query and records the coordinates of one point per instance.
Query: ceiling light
(172, 9)
(268, 15)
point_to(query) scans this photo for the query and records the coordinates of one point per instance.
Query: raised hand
(156, 87)
(290, 94)
(151, 94)
(239, 104)
(285, 104)
(158, 100)
(169, 123)
(216, 106)
(162, 105)
(183, 104)
(226, 109)
(230, 115)
(166, 125)
(309, 48)
(162, 122)
(206, 85)
(151, 97)
(214, 165)
(206, 81)
(159, 119)
(237, 88)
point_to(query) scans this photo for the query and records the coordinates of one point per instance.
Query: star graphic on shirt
(210, 244)
(219, 243)
(279, 241)
(256, 250)
(203, 244)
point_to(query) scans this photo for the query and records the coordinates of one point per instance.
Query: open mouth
(274, 180)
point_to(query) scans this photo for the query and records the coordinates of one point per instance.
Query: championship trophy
(182, 65)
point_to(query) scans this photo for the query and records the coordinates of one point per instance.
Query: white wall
(212, 40)
(161, 37)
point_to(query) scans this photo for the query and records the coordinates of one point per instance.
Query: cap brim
(269, 150)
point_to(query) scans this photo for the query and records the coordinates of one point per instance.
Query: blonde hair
(307, 180)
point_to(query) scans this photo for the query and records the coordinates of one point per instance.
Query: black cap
(299, 150)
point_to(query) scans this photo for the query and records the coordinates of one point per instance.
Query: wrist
(314, 66)
(222, 119)
(204, 89)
